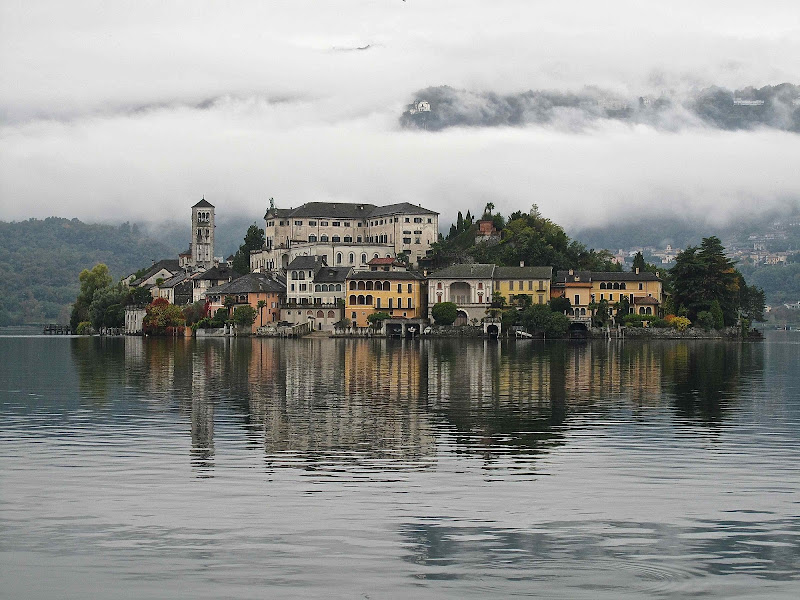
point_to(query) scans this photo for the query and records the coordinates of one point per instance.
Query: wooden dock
(56, 329)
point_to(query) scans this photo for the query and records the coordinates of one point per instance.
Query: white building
(330, 228)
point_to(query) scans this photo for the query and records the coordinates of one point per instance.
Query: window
(338, 258)
(417, 232)
(303, 287)
(407, 232)
(346, 224)
(530, 284)
(312, 223)
(409, 303)
(521, 286)
(439, 285)
(390, 303)
(323, 238)
(352, 258)
(298, 222)
(317, 288)
(292, 288)
(354, 316)
(611, 297)
(336, 224)
(510, 286)
(417, 219)
(430, 220)
(363, 258)
(399, 288)
(323, 223)
(406, 240)
(399, 303)
(641, 286)
(360, 225)
(270, 223)
(378, 303)
(602, 296)
(312, 238)
(577, 299)
(409, 288)
(348, 239)
(358, 239)
(407, 220)
(336, 238)
(541, 299)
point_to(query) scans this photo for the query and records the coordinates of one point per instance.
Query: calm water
(134, 468)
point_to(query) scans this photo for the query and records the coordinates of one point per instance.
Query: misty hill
(40, 261)
(437, 108)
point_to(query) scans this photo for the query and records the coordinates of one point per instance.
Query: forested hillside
(40, 261)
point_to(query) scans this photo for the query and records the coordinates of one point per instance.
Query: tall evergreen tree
(253, 240)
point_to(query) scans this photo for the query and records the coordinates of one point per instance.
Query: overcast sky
(135, 110)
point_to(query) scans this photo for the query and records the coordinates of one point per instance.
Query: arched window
(387, 285)
(376, 255)
(362, 285)
(439, 285)
(338, 257)
(301, 274)
(370, 285)
(331, 314)
(320, 314)
(338, 287)
(323, 238)
(369, 299)
(336, 238)
(312, 238)
(318, 288)
(360, 299)
(348, 239)
(616, 285)
(641, 310)
(352, 285)
(602, 286)
(378, 285)
(309, 313)
(294, 274)
(352, 299)
(352, 257)
(622, 286)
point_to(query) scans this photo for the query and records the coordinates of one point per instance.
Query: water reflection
(314, 403)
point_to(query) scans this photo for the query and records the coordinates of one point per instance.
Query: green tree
(104, 298)
(752, 303)
(253, 240)
(97, 278)
(716, 313)
(376, 319)
(260, 305)
(244, 315)
(161, 315)
(509, 318)
(706, 320)
(638, 263)
(703, 274)
(444, 313)
(560, 304)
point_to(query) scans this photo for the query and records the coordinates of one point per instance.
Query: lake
(266, 468)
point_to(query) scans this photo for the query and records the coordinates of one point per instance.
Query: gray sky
(134, 110)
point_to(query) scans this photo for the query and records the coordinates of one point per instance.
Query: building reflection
(319, 402)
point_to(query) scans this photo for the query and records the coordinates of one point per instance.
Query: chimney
(572, 271)
(522, 263)
(637, 270)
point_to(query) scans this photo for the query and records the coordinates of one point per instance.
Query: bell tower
(203, 234)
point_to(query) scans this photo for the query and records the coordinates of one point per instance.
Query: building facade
(468, 286)
(401, 294)
(259, 290)
(202, 248)
(643, 290)
(533, 282)
(397, 229)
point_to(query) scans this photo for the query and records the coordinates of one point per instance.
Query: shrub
(444, 313)
(705, 320)
(244, 315)
(660, 324)
(84, 328)
(681, 323)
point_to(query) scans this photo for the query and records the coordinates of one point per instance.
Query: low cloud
(136, 112)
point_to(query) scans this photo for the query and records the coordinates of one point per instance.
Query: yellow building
(533, 282)
(644, 291)
(400, 294)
